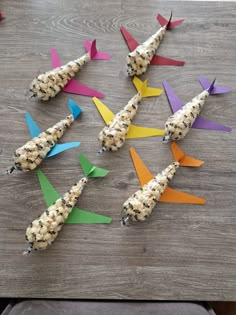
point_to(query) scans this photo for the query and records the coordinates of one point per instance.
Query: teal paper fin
(34, 129)
(89, 169)
(84, 217)
(74, 108)
(49, 193)
(58, 148)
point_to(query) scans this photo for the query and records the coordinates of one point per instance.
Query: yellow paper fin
(142, 132)
(144, 175)
(104, 111)
(144, 89)
(175, 196)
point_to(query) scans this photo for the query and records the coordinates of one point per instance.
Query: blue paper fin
(74, 108)
(34, 129)
(49, 193)
(58, 148)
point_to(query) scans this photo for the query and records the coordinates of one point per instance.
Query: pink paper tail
(93, 52)
(169, 24)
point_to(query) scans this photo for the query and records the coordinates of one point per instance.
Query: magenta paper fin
(203, 123)
(163, 61)
(169, 24)
(174, 101)
(130, 41)
(216, 89)
(94, 53)
(73, 86)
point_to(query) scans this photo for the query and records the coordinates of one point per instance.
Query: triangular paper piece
(104, 111)
(89, 169)
(75, 87)
(58, 148)
(98, 55)
(34, 129)
(163, 61)
(203, 123)
(144, 175)
(182, 158)
(78, 216)
(172, 195)
(142, 132)
(130, 41)
(174, 101)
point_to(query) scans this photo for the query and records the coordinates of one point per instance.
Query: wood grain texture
(183, 251)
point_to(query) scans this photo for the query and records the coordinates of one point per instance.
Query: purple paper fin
(216, 89)
(203, 123)
(55, 59)
(174, 101)
(92, 50)
(75, 87)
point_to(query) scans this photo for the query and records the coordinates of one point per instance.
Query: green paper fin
(84, 217)
(91, 170)
(49, 193)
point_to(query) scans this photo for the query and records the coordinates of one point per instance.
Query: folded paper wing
(169, 195)
(73, 86)
(134, 131)
(77, 216)
(156, 60)
(34, 131)
(200, 122)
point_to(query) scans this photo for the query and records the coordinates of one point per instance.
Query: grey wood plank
(181, 251)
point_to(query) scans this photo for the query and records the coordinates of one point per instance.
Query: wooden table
(181, 251)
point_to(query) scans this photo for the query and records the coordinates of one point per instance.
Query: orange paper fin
(144, 175)
(183, 159)
(175, 196)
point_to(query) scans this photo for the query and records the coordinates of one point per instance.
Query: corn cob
(31, 154)
(139, 59)
(179, 124)
(113, 136)
(43, 231)
(49, 84)
(140, 205)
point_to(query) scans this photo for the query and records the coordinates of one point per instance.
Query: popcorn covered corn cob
(179, 124)
(113, 136)
(31, 154)
(140, 205)
(139, 59)
(49, 84)
(43, 231)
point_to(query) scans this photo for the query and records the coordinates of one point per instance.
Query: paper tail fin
(74, 109)
(93, 52)
(89, 169)
(212, 87)
(182, 158)
(144, 90)
(169, 25)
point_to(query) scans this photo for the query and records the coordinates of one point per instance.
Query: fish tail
(74, 109)
(212, 88)
(168, 23)
(182, 158)
(144, 90)
(89, 169)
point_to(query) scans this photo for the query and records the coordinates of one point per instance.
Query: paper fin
(75, 87)
(61, 147)
(163, 61)
(142, 132)
(217, 89)
(104, 111)
(94, 53)
(182, 158)
(74, 108)
(163, 21)
(79, 216)
(175, 196)
(89, 169)
(203, 123)
(34, 129)
(144, 175)
(130, 41)
(49, 193)
(146, 91)
(174, 101)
